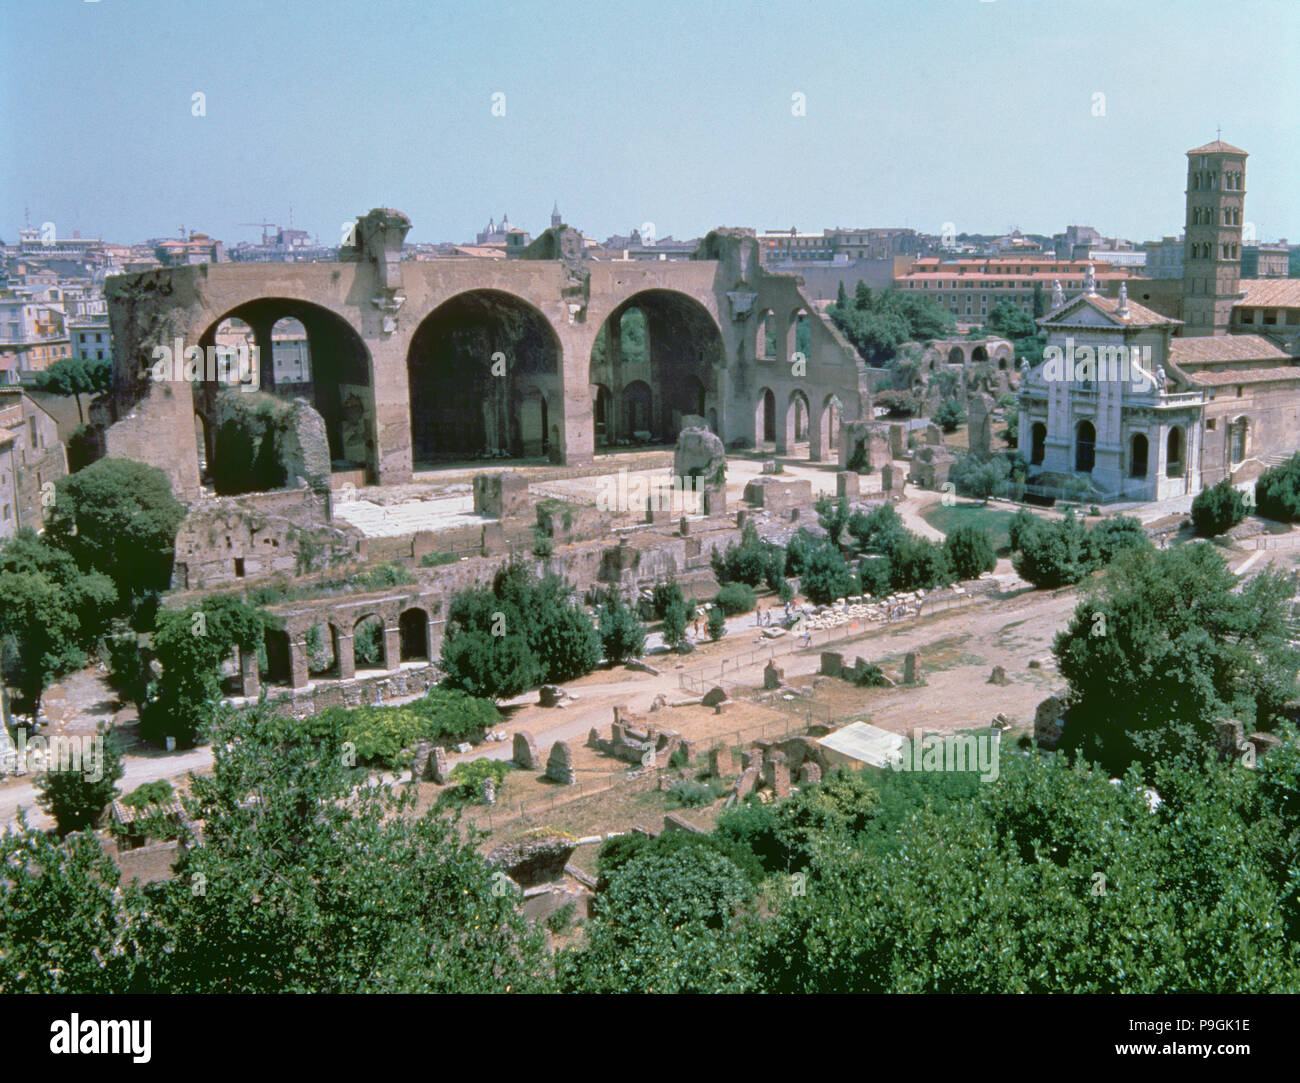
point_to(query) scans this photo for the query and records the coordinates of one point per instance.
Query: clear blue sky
(678, 113)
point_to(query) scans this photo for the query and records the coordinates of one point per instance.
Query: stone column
(250, 679)
(392, 647)
(298, 674)
(814, 432)
(347, 657)
(783, 425)
(265, 358)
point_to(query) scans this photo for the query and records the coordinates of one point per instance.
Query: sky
(689, 115)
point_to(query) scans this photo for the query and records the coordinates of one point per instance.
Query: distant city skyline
(982, 114)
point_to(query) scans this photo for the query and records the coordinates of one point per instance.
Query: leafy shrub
(674, 623)
(832, 516)
(918, 564)
(664, 594)
(826, 576)
(468, 780)
(736, 598)
(949, 415)
(688, 793)
(1277, 492)
(1021, 524)
(452, 716)
(368, 642)
(870, 676)
(875, 577)
(1053, 554)
(749, 562)
(561, 920)
(969, 552)
(1217, 509)
(522, 632)
(73, 798)
(980, 478)
(434, 560)
(717, 623)
(797, 551)
(875, 530)
(150, 793)
(622, 635)
(1112, 536)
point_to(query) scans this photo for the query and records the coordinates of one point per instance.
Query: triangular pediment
(1080, 312)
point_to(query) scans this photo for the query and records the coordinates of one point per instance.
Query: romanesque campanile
(1216, 192)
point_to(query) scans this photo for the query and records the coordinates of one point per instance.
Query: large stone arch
(484, 371)
(339, 385)
(682, 356)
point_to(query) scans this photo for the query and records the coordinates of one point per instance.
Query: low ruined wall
(361, 692)
(228, 539)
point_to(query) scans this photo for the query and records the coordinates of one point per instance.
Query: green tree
(970, 552)
(826, 576)
(980, 478)
(1053, 553)
(949, 415)
(994, 894)
(565, 641)
(674, 623)
(717, 623)
(485, 650)
(1011, 321)
(832, 516)
(76, 376)
(1277, 492)
(735, 598)
(876, 530)
(1217, 509)
(91, 596)
(664, 925)
(63, 927)
(319, 886)
(75, 798)
(41, 633)
(918, 564)
(1166, 644)
(749, 562)
(1021, 524)
(1111, 537)
(622, 635)
(120, 518)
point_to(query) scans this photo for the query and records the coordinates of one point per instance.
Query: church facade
(1132, 405)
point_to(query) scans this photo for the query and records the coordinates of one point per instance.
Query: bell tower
(1216, 194)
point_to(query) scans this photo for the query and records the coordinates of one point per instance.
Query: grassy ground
(995, 520)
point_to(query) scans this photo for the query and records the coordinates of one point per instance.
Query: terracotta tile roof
(1218, 147)
(1219, 378)
(1270, 293)
(1207, 349)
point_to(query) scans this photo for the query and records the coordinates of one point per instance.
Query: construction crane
(273, 225)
